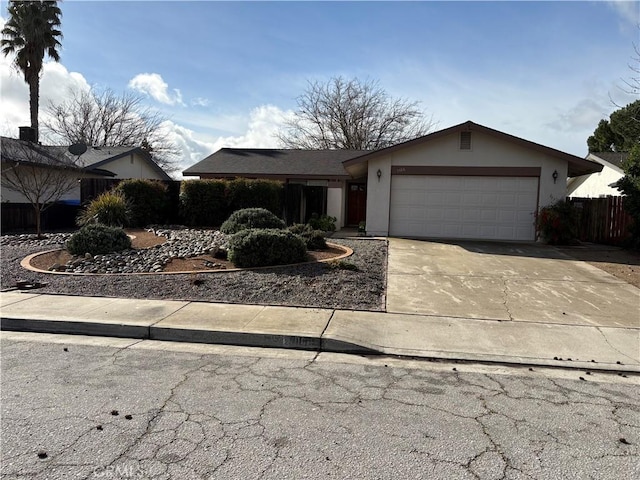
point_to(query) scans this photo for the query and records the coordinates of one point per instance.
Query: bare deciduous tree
(105, 119)
(38, 175)
(352, 114)
(630, 86)
(633, 83)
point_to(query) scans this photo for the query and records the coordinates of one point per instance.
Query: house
(51, 174)
(599, 184)
(96, 162)
(463, 182)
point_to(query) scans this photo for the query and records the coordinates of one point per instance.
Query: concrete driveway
(502, 281)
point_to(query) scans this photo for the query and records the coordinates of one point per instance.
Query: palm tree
(31, 32)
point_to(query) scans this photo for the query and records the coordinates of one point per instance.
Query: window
(465, 140)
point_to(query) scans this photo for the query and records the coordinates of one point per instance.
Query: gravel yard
(310, 285)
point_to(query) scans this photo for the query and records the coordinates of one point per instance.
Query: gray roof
(614, 158)
(270, 162)
(95, 156)
(14, 150)
(92, 160)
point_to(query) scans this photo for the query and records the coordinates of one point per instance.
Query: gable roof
(274, 163)
(577, 166)
(97, 157)
(92, 160)
(609, 159)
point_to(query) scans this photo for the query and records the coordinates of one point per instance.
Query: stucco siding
(335, 202)
(8, 195)
(132, 166)
(486, 151)
(595, 185)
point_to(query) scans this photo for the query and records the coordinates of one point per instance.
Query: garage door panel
(498, 208)
(524, 217)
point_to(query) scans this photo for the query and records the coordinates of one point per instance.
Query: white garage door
(493, 208)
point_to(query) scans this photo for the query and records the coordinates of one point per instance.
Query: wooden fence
(603, 220)
(21, 217)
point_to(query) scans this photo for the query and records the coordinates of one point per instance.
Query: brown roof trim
(577, 165)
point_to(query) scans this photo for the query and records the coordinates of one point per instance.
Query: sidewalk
(358, 332)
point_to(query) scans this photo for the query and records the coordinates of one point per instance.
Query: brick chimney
(27, 134)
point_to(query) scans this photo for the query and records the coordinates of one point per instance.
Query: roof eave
(268, 176)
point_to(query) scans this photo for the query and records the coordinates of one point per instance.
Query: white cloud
(200, 102)
(264, 123)
(629, 11)
(55, 83)
(152, 84)
(261, 129)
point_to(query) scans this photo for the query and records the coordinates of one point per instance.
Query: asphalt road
(82, 407)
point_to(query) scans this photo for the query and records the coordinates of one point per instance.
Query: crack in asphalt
(221, 417)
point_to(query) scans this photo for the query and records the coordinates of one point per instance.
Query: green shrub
(629, 185)
(323, 222)
(98, 240)
(313, 239)
(265, 247)
(147, 201)
(108, 208)
(558, 224)
(342, 265)
(244, 193)
(203, 203)
(251, 218)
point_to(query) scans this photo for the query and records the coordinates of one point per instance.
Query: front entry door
(356, 203)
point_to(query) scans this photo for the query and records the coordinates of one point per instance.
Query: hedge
(147, 200)
(207, 203)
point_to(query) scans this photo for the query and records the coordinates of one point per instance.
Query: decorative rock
(181, 243)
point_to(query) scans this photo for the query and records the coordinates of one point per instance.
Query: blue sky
(227, 73)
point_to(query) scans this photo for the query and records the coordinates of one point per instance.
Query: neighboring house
(599, 184)
(464, 182)
(96, 162)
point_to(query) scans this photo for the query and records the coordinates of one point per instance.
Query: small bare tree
(354, 115)
(105, 119)
(38, 175)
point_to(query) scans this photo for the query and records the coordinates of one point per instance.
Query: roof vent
(465, 140)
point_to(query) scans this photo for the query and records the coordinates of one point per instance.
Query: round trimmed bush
(249, 218)
(265, 247)
(108, 208)
(314, 239)
(98, 240)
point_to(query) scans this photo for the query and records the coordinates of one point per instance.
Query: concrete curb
(295, 342)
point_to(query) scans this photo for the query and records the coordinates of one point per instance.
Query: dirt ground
(144, 239)
(623, 264)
